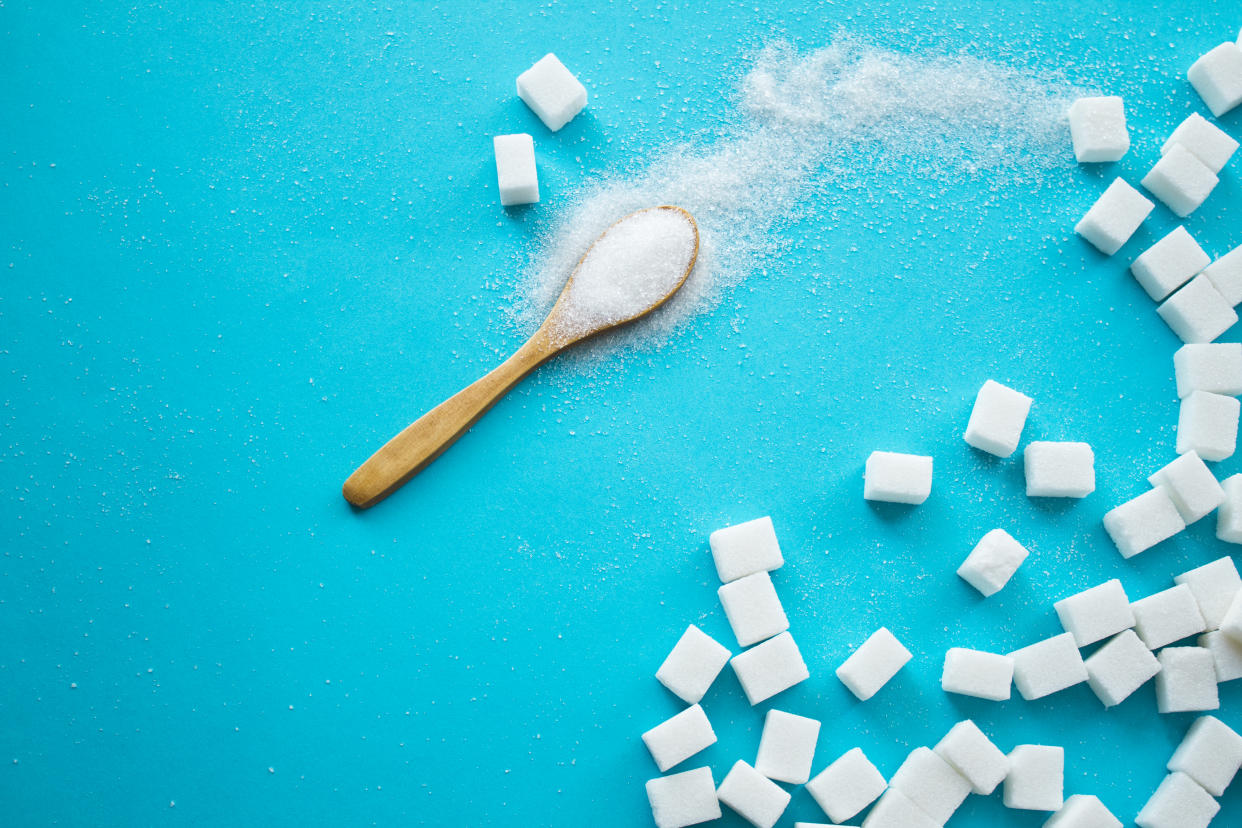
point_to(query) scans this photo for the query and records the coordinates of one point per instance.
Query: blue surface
(245, 244)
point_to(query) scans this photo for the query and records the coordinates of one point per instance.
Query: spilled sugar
(808, 125)
(627, 271)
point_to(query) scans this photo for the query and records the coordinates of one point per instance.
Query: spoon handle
(422, 441)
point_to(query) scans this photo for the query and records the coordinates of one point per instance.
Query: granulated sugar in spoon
(630, 270)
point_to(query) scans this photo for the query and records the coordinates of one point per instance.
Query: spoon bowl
(629, 271)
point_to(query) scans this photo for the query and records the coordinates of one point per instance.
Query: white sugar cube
(1210, 754)
(1207, 424)
(1226, 653)
(1180, 180)
(1214, 367)
(753, 608)
(1059, 469)
(976, 673)
(897, 478)
(1179, 802)
(1186, 681)
(757, 799)
(1120, 667)
(1226, 276)
(1143, 522)
(1229, 515)
(1036, 778)
(1197, 312)
(679, 737)
(1096, 613)
(692, 665)
(848, 785)
(1114, 217)
(895, 810)
(745, 548)
(769, 668)
(1231, 624)
(931, 783)
(1210, 144)
(1214, 586)
(1083, 811)
(993, 561)
(1048, 666)
(787, 747)
(682, 799)
(552, 92)
(1098, 129)
(1169, 263)
(875, 662)
(818, 825)
(1167, 616)
(1217, 77)
(515, 169)
(997, 419)
(972, 754)
(1191, 484)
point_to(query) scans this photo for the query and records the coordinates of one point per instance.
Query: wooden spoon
(414, 448)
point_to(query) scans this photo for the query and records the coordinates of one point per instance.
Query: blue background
(244, 244)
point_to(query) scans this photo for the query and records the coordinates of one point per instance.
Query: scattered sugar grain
(800, 120)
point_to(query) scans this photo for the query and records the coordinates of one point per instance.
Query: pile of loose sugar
(629, 270)
(803, 122)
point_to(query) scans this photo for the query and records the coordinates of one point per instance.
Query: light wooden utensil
(422, 441)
